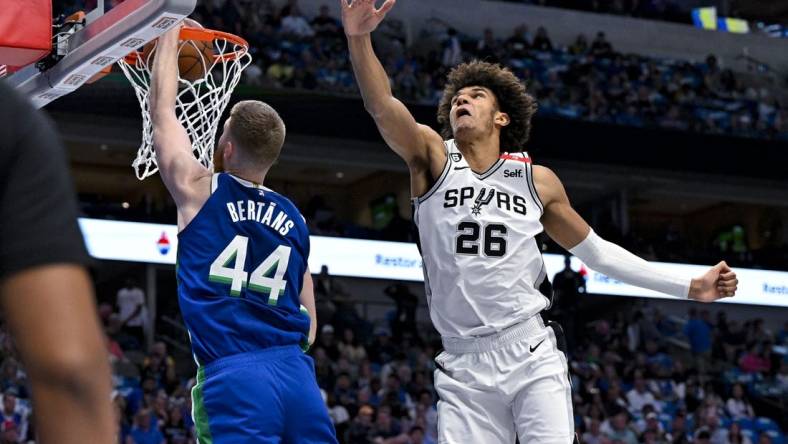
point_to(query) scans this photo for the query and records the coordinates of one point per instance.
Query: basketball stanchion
(210, 64)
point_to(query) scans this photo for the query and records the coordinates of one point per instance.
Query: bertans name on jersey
(261, 212)
(486, 196)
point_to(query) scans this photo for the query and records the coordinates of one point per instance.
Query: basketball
(193, 58)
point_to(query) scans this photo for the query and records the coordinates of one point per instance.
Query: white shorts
(511, 384)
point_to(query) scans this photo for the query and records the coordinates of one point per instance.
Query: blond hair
(257, 130)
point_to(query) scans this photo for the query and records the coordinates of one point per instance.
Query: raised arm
(399, 129)
(569, 230)
(187, 180)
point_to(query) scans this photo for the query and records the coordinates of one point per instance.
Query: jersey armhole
(439, 181)
(214, 182)
(529, 172)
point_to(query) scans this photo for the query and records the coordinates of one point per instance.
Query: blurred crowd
(638, 376)
(587, 79)
(671, 10)
(632, 385)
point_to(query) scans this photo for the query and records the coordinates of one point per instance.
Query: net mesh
(199, 104)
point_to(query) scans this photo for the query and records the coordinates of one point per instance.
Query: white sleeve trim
(618, 263)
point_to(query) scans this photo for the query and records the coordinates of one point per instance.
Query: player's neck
(480, 154)
(255, 178)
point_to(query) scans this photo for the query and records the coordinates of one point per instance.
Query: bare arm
(399, 129)
(307, 299)
(562, 223)
(52, 315)
(187, 180)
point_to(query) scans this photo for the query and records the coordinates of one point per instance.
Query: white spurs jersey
(483, 269)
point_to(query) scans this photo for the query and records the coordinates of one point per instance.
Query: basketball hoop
(200, 101)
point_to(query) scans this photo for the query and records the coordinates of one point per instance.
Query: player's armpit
(560, 221)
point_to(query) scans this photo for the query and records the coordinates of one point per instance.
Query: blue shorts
(269, 396)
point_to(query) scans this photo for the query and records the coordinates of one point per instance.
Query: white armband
(618, 263)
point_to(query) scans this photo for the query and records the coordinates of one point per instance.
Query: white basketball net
(199, 104)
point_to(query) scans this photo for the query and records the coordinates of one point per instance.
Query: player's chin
(463, 129)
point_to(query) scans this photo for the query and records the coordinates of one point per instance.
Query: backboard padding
(99, 44)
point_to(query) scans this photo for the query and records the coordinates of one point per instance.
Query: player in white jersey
(478, 203)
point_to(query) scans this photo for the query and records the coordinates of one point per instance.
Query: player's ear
(501, 119)
(229, 150)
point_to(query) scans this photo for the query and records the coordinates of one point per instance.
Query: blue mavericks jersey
(241, 265)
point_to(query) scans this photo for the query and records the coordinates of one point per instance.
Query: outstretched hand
(360, 17)
(719, 282)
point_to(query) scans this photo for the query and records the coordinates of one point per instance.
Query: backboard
(95, 44)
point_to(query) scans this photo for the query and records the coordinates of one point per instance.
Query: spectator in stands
(738, 406)
(452, 49)
(294, 24)
(386, 426)
(580, 45)
(568, 286)
(160, 366)
(175, 428)
(253, 74)
(710, 421)
(594, 434)
(339, 414)
(361, 428)
(757, 332)
(14, 417)
(325, 25)
(698, 333)
(650, 422)
(517, 45)
(405, 315)
(755, 361)
(426, 405)
(616, 428)
(703, 437)
(764, 438)
(144, 431)
(119, 335)
(673, 119)
(382, 350)
(130, 301)
(324, 370)
(326, 285)
(328, 342)
(488, 48)
(12, 376)
(782, 377)
(114, 349)
(281, 70)
(640, 396)
(542, 41)
(679, 433)
(735, 436)
(600, 47)
(350, 348)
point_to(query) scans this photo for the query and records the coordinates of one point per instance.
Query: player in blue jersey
(244, 286)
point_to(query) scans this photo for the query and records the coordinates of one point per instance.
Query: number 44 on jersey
(235, 253)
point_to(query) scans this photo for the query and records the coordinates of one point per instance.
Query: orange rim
(205, 35)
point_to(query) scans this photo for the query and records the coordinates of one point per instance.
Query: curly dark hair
(509, 92)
